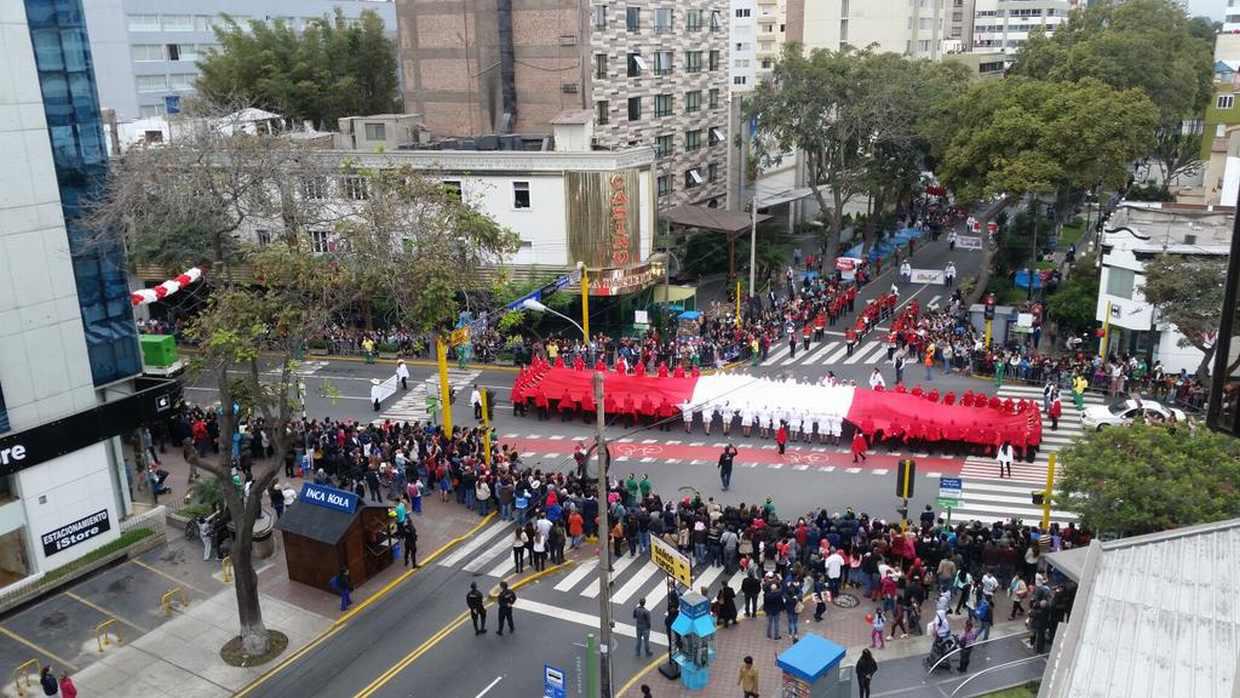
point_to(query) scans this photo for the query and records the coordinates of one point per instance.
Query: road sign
(951, 487)
(671, 561)
(172, 104)
(906, 478)
(968, 242)
(947, 503)
(459, 336)
(553, 682)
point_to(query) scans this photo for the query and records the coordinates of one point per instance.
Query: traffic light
(1038, 497)
(906, 478)
(988, 312)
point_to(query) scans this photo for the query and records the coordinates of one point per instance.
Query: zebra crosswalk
(987, 497)
(828, 353)
(412, 404)
(489, 553)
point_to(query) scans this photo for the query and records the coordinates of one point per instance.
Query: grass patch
(1029, 690)
(127, 539)
(1071, 233)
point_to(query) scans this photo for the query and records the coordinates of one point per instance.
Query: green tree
(1187, 291)
(195, 200)
(1073, 306)
(1145, 478)
(1148, 45)
(333, 68)
(1020, 136)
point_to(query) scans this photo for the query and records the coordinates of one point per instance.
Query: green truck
(160, 356)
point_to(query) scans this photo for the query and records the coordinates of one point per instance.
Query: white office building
(913, 28)
(1005, 25)
(147, 50)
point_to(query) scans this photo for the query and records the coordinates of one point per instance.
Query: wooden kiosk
(328, 529)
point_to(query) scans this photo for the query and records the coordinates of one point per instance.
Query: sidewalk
(178, 656)
(844, 626)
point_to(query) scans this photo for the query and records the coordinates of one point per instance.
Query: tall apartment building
(1231, 18)
(68, 344)
(773, 31)
(743, 45)
(651, 73)
(147, 50)
(914, 28)
(960, 22)
(1005, 25)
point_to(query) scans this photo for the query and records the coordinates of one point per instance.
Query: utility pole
(604, 553)
(753, 239)
(1037, 204)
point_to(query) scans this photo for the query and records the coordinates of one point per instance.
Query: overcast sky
(1210, 8)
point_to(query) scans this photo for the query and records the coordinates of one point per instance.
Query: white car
(1125, 410)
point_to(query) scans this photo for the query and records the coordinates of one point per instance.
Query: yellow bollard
(101, 633)
(165, 601)
(21, 676)
(226, 568)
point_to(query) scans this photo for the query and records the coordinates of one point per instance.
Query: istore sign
(79, 531)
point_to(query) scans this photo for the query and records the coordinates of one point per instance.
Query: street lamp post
(536, 306)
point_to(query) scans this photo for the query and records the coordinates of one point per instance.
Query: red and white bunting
(167, 288)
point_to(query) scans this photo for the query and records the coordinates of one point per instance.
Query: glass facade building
(71, 103)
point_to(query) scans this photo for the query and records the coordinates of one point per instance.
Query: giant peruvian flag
(973, 418)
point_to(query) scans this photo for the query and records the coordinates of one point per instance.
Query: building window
(663, 146)
(314, 188)
(376, 132)
(635, 108)
(174, 52)
(692, 178)
(693, 20)
(743, 12)
(663, 20)
(693, 61)
(693, 140)
(635, 65)
(716, 135)
(923, 45)
(143, 23)
(520, 194)
(148, 111)
(663, 63)
(600, 16)
(152, 83)
(602, 109)
(738, 80)
(713, 102)
(712, 172)
(190, 52)
(1120, 282)
(148, 52)
(693, 101)
(263, 236)
(600, 66)
(716, 21)
(1225, 101)
(176, 23)
(664, 185)
(662, 106)
(714, 60)
(452, 187)
(766, 64)
(203, 23)
(182, 82)
(318, 241)
(843, 30)
(355, 188)
(633, 19)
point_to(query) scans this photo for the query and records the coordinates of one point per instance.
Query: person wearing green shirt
(1000, 369)
(645, 485)
(630, 485)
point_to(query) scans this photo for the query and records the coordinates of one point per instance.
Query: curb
(361, 360)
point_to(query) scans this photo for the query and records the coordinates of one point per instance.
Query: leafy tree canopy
(1147, 477)
(1187, 291)
(329, 70)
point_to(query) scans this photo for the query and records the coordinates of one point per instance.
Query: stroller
(942, 647)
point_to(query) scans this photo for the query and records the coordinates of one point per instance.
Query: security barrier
(165, 601)
(102, 630)
(21, 676)
(226, 568)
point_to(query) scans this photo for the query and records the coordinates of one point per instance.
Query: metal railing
(154, 519)
(101, 633)
(170, 597)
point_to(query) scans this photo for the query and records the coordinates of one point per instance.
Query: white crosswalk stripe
(985, 498)
(480, 539)
(813, 358)
(582, 571)
(775, 355)
(412, 405)
(617, 567)
(624, 593)
(934, 303)
(860, 353)
(502, 545)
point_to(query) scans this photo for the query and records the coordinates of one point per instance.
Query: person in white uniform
(746, 419)
(686, 411)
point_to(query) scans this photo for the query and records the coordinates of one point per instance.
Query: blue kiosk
(811, 669)
(696, 628)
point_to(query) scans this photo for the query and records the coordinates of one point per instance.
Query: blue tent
(1022, 279)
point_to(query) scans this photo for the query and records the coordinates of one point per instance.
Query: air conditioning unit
(1190, 239)
(569, 88)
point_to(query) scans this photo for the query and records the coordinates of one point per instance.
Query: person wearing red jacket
(850, 339)
(781, 436)
(858, 446)
(1055, 411)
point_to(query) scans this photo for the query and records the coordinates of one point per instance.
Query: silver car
(1125, 410)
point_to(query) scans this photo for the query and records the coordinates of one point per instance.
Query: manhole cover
(846, 601)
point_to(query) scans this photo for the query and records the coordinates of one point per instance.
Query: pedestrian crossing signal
(906, 478)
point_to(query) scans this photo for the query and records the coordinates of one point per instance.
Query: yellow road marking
(104, 611)
(165, 575)
(413, 656)
(339, 624)
(638, 676)
(40, 650)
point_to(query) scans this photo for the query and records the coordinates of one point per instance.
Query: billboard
(603, 211)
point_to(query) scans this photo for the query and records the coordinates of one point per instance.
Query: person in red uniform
(781, 436)
(858, 446)
(806, 332)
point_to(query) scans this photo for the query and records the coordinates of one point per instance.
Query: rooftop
(1155, 616)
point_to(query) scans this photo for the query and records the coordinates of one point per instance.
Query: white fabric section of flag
(150, 295)
(746, 393)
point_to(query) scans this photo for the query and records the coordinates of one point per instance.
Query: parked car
(1125, 410)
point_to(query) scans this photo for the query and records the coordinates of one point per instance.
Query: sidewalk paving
(844, 626)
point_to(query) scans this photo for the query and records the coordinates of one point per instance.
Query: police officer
(410, 536)
(507, 597)
(477, 611)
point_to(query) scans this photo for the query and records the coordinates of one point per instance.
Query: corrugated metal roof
(1156, 616)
